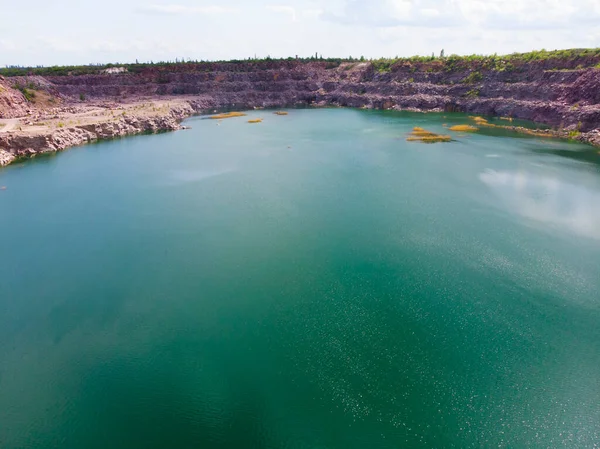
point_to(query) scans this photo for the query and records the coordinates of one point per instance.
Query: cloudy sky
(49, 32)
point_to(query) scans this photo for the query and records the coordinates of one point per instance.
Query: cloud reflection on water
(548, 200)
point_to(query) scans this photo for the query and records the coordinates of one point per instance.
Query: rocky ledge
(21, 144)
(56, 111)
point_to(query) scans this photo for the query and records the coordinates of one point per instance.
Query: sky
(59, 32)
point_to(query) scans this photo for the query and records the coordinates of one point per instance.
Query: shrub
(474, 77)
(27, 91)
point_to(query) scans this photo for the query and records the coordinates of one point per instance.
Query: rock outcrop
(18, 145)
(561, 93)
(544, 92)
(12, 102)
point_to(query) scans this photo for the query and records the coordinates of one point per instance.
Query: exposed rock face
(537, 92)
(553, 92)
(15, 145)
(12, 102)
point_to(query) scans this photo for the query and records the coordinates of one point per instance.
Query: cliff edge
(61, 107)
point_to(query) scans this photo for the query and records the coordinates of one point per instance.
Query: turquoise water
(314, 281)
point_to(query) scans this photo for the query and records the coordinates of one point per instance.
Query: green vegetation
(561, 60)
(473, 93)
(28, 90)
(474, 77)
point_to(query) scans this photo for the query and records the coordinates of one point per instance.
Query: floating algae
(280, 113)
(463, 128)
(256, 120)
(517, 129)
(422, 135)
(479, 120)
(227, 115)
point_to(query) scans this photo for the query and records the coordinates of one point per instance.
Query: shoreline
(76, 124)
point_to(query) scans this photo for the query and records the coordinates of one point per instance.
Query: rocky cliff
(22, 144)
(559, 93)
(562, 92)
(12, 102)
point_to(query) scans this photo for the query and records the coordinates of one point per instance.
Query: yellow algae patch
(529, 132)
(256, 120)
(420, 132)
(479, 120)
(422, 135)
(429, 139)
(227, 115)
(463, 128)
(280, 113)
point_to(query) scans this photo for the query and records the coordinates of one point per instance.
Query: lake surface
(314, 281)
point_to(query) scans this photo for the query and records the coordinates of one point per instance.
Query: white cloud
(497, 14)
(430, 12)
(180, 9)
(58, 44)
(373, 28)
(284, 9)
(312, 13)
(547, 200)
(7, 45)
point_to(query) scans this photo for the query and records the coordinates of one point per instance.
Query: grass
(256, 120)
(29, 94)
(463, 128)
(425, 136)
(227, 115)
